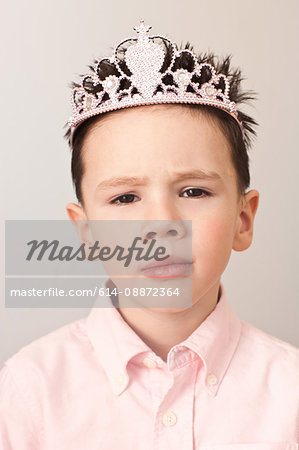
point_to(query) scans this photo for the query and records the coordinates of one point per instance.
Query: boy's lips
(173, 266)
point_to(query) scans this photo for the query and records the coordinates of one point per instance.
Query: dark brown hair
(239, 144)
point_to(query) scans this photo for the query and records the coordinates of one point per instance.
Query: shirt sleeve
(17, 430)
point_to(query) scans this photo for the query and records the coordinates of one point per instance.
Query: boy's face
(158, 144)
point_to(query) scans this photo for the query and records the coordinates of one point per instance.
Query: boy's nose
(163, 228)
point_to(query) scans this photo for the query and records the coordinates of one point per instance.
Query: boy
(143, 378)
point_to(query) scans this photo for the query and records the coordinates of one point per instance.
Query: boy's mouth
(173, 266)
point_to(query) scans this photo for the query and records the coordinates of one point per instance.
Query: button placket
(175, 414)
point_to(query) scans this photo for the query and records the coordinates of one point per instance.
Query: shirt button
(212, 379)
(148, 362)
(169, 419)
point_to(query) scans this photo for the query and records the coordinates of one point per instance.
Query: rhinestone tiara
(143, 77)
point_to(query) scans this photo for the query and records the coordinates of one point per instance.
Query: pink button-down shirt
(95, 385)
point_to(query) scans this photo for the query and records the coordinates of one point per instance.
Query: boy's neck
(161, 331)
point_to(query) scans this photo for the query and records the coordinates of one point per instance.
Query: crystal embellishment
(183, 76)
(88, 102)
(210, 91)
(110, 82)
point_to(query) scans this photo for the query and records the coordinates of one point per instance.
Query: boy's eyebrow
(139, 181)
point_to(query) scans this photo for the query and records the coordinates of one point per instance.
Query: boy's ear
(75, 212)
(244, 231)
(77, 215)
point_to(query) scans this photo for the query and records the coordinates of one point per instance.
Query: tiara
(143, 77)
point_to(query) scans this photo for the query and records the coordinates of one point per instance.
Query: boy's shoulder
(270, 351)
(250, 331)
(54, 348)
(48, 371)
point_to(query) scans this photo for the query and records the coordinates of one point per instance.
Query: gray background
(45, 45)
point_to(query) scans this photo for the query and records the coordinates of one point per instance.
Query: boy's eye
(129, 198)
(123, 199)
(196, 193)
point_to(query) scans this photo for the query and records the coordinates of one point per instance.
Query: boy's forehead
(170, 133)
(160, 117)
(155, 139)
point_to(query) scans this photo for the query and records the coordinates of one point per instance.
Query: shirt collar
(116, 343)
(215, 341)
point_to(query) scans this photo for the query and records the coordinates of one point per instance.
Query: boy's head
(161, 74)
(173, 162)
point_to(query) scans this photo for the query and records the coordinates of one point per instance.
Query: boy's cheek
(212, 242)
(213, 230)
